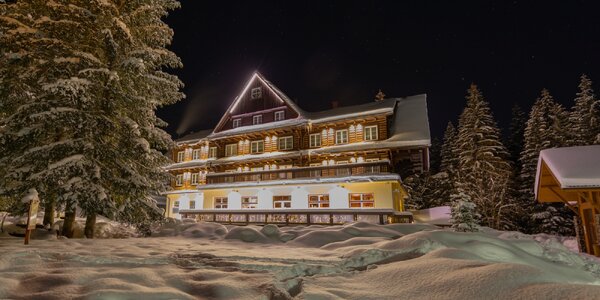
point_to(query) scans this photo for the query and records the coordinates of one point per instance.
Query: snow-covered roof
(346, 112)
(194, 136)
(223, 160)
(302, 181)
(573, 167)
(258, 127)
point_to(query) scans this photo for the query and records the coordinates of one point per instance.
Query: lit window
(179, 180)
(256, 169)
(257, 147)
(196, 154)
(231, 150)
(256, 93)
(286, 166)
(180, 156)
(237, 123)
(249, 202)
(341, 136)
(286, 143)
(315, 140)
(195, 178)
(176, 204)
(318, 201)
(256, 119)
(362, 200)
(220, 202)
(192, 204)
(212, 152)
(371, 133)
(279, 115)
(282, 201)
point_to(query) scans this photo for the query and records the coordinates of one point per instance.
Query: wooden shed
(571, 176)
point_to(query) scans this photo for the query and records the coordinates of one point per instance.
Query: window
(315, 172)
(192, 204)
(220, 202)
(179, 180)
(256, 119)
(176, 204)
(237, 123)
(279, 115)
(362, 200)
(256, 169)
(282, 201)
(196, 154)
(212, 152)
(195, 178)
(341, 136)
(249, 202)
(231, 150)
(256, 93)
(317, 201)
(180, 156)
(315, 140)
(371, 133)
(286, 143)
(257, 147)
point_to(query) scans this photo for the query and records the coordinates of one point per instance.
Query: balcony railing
(302, 172)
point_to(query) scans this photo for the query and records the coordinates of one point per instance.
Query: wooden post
(31, 217)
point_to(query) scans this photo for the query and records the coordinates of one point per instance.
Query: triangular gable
(244, 106)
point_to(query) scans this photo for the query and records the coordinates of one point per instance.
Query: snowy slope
(190, 260)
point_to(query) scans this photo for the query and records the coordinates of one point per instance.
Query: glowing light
(351, 127)
(360, 159)
(324, 162)
(352, 160)
(358, 127)
(239, 97)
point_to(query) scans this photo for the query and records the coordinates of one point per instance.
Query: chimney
(335, 104)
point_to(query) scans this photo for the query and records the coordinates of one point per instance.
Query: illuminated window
(212, 152)
(257, 147)
(318, 201)
(256, 119)
(256, 93)
(176, 204)
(195, 178)
(371, 133)
(179, 180)
(231, 150)
(341, 136)
(220, 202)
(362, 200)
(180, 156)
(279, 115)
(192, 204)
(315, 140)
(237, 123)
(196, 154)
(286, 143)
(249, 202)
(282, 201)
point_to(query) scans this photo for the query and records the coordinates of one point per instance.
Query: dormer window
(237, 123)
(279, 115)
(256, 93)
(256, 119)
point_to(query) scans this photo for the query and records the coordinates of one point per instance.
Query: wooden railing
(302, 172)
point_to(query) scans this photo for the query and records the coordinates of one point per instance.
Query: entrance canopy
(563, 172)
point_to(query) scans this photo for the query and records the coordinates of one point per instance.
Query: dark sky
(319, 51)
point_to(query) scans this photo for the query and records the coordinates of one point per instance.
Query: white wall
(234, 200)
(338, 197)
(299, 198)
(265, 199)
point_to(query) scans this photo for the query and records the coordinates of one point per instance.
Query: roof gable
(259, 96)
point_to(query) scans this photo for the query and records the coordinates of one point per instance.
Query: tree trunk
(90, 222)
(68, 229)
(49, 210)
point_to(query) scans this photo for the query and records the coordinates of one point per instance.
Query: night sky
(320, 51)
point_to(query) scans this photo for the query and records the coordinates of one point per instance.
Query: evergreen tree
(585, 116)
(435, 155)
(516, 129)
(449, 160)
(547, 127)
(483, 169)
(463, 211)
(86, 133)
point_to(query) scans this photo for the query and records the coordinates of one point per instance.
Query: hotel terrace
(269, 161)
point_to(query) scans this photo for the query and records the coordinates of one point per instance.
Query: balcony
(351, 169)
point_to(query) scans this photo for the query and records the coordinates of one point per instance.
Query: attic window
(256, 93)
(237, 123)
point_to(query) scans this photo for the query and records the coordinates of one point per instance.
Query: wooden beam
(565, 201)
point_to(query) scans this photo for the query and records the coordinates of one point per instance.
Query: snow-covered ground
(357, 261)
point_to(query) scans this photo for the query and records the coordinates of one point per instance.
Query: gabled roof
(573, 167)
(257, 76)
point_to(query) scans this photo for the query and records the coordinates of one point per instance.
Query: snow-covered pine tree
(514, 138)
(88, 133)
(435, 155)
(585, 116)
(463, 212)
(483, 168)
(547, 127)
(449, 161)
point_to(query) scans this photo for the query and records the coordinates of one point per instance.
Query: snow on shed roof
(573, 167)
